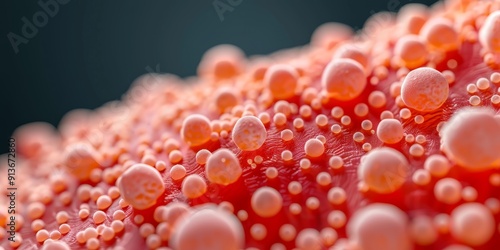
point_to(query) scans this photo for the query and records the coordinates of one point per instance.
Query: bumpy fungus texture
(361, 141)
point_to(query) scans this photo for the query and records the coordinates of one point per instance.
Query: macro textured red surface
(334, 145)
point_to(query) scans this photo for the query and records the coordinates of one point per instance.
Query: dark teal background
(90, 51)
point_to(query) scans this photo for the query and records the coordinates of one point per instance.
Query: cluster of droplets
(384, 140)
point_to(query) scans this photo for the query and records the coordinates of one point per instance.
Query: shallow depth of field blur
(89, 53)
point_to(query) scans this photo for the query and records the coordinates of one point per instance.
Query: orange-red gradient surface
(385, 140)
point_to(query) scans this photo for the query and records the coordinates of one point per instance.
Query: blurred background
(60, 55)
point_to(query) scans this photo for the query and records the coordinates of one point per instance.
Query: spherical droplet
(416, 150)
(99, 217)
(390, 131)
(194, 186)
(471, 138)
(309, 239)
(141, 185)
(223, 167)
(62, 217)
(55, 245)
(258, 231)
(225, 99)
(196, 130)
(423, 231)
(383, 169)
(437, 165)
(294, 187)
(36, 210)
(80, 159)
(249, 133)
(440, 34)
(336, 219)
(103, 202)
(472, 223)
(411, 51)
(287, 232)
(343, 79)
(448, 191)
(421, 177)
(223, 61)
(336, 195)
(209, 229)
(488, 34)
(424, 89)
(352, 52)
(286, 135)
(281, 80)
(266, 202)
(202, 156)
(379, 226)
(314, 148)
(377, 99)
